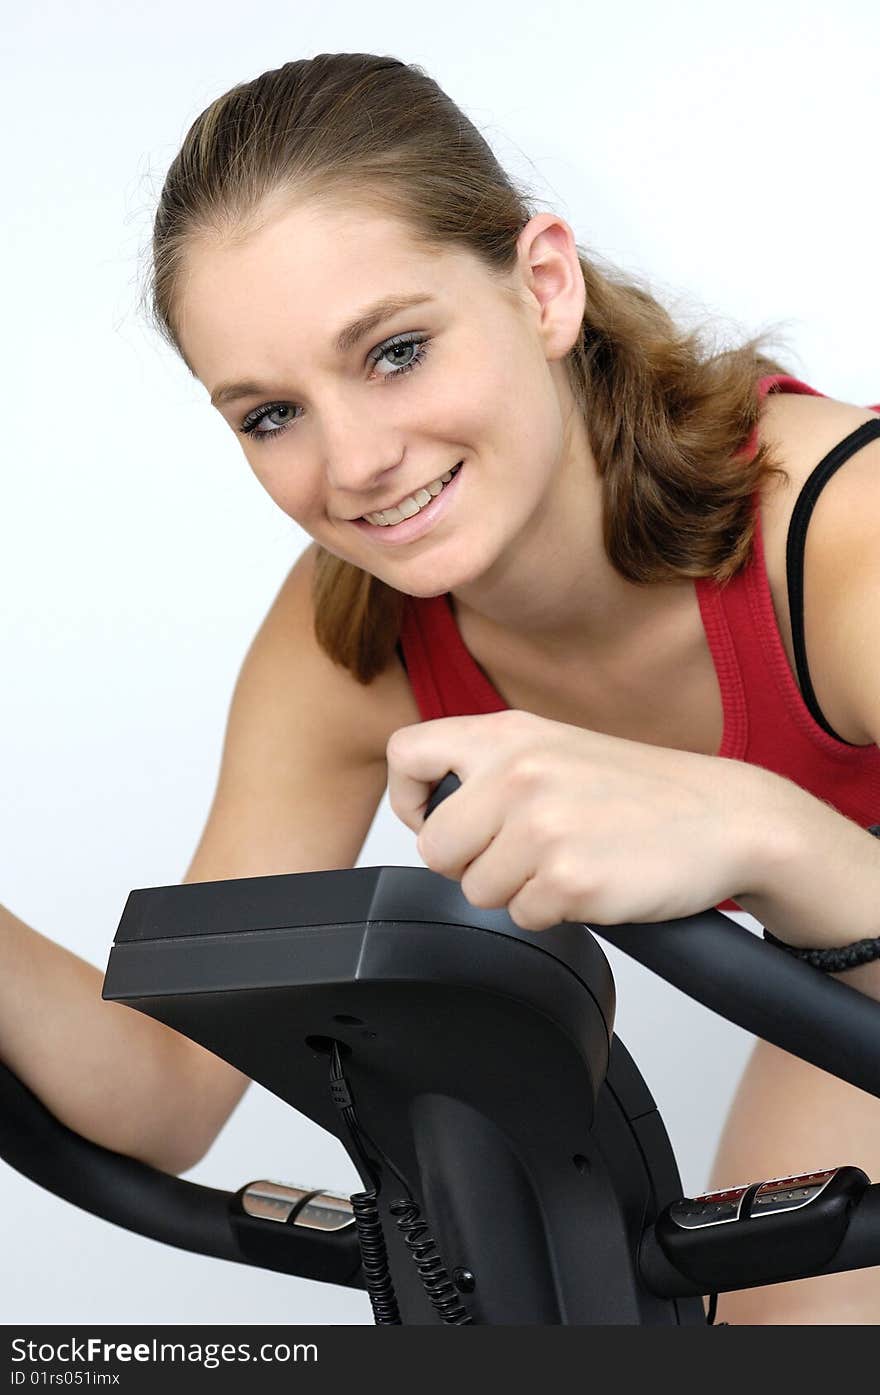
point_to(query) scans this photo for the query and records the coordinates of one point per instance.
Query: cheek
(522, 411)
(506, 400)
(285, 486)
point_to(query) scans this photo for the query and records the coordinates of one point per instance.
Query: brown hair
(666, 413)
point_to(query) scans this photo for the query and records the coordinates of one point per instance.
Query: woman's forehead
(307, 272)
(317, 239)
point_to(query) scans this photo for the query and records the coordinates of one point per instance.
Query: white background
(729, 154)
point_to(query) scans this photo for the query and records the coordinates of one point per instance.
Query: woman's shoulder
(802, 430)
(807, 426)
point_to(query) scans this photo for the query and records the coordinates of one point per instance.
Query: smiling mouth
(442, 481)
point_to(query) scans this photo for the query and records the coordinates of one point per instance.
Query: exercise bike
(515, 1167)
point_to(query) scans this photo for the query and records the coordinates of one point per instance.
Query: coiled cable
(374, 1259)
(422, 1247)
(407, 1216)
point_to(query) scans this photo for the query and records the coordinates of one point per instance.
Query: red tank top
(767, 721)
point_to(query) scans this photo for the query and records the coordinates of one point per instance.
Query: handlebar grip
(448, 785)
(158, 1204)
(764, 1261)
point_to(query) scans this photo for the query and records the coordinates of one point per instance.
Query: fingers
(491, 878)
(530, 909)
(462, 827)
(480, 835)
(419, 756)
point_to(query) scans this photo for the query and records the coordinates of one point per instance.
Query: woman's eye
(402, 355)
(391, 354)
(267, 414)
(413, 347)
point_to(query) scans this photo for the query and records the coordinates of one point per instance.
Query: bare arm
(302, 775)
(99, 1067)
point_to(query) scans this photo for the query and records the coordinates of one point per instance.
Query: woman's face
(336, 427)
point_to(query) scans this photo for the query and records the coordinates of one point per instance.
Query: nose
(360, 459)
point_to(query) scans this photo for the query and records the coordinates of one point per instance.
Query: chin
(412, 588)
(436, 580)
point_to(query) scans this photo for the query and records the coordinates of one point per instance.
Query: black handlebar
(158, 1204)
(752, 984)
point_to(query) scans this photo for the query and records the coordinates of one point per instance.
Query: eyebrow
(365, 321)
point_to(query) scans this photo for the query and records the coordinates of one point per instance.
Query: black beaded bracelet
(836, 960)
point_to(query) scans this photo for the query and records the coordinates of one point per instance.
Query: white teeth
(410, 505)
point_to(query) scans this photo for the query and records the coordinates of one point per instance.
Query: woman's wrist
(813, 875)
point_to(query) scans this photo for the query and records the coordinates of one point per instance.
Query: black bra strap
(794, 555)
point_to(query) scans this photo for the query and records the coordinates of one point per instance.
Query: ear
(553, 282)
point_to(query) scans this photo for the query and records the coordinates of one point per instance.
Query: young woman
(558, 548)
